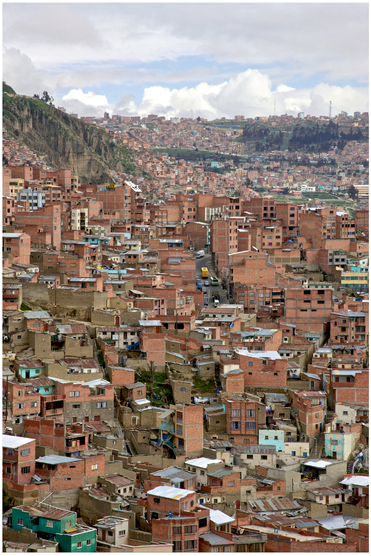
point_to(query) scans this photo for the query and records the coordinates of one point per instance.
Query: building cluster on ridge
(185, 358)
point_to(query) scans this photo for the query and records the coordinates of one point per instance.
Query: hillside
(309, 136)
(66, 141)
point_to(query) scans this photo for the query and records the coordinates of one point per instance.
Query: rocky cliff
(66, 141)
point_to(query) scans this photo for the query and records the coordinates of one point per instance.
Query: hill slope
(66, 141)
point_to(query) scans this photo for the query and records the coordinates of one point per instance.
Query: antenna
(330, 107)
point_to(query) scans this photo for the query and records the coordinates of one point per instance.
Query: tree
(36, 96)
(47, 98)
(248, 182)
(353, 192)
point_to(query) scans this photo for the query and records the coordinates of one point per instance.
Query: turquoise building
(29, 369)
(273, 438)
(55, 524)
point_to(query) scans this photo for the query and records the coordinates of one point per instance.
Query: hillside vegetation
(66, 141)
(308, 136)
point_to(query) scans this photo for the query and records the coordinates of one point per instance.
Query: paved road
(206, 261)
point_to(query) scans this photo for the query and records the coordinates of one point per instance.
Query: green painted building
(57, 525)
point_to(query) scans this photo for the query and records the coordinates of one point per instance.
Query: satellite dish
(170, 514)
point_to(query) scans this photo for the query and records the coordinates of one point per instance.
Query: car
(207, 283)
(204, 290)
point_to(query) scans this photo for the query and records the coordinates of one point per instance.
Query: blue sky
(181, 59)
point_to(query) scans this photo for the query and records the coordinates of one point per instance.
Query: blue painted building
(273, 438)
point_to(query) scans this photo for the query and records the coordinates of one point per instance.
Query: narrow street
(206, 262)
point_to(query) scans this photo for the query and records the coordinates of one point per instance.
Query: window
(230, 483)
(157, 500)
(250, 425)
(8, 470)
(25, 452)
(88, 542)
(20, 406)
(33, 404)
(20, 521)
(122, 533)
(9, 452)
(177, 530)
(227, 549)
(79, 545)
(250, 363)
(263, 457)
(101, 404)
(236, 425)
(75, 393)
(177, 545)
(203, 521)
(202, 472)
(76, 406)
(236, 413)
(19, 392)
(250, 412)
(94, 466)
(190, 545)
(188, 529)
(49, 523)
(154, 515)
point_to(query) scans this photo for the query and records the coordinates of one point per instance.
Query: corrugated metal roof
(172, 493)
(214, 540)
(202, 462)
(46, 511)
(15, 441)
(56, 460)
(119, 480)
(319, 464)
(356, 480)
(273, 505)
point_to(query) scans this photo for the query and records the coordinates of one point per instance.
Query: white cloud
(89, 99)
(284, 89)
(249, 93)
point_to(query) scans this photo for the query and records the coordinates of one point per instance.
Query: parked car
(207, 283)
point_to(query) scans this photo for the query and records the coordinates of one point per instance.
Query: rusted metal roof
(272, 505)
(46, 511)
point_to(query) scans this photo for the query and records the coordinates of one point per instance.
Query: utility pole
(330, 108)
(152, 371)
(55, 296)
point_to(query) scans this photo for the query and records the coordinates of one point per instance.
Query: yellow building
(15, 186)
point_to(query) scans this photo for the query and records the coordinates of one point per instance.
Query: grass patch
(25, 307)
(203, 385)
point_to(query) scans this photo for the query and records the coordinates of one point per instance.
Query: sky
(190, 59)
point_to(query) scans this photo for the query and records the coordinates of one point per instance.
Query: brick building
(224, 240)
(311, 410)
(262, 368)
(164, 499)
(47, 219)
(188, 421)
(22, 401)
(349, 327)
(309, 309)
(242, 420)
(18, 459)
(18, 244)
